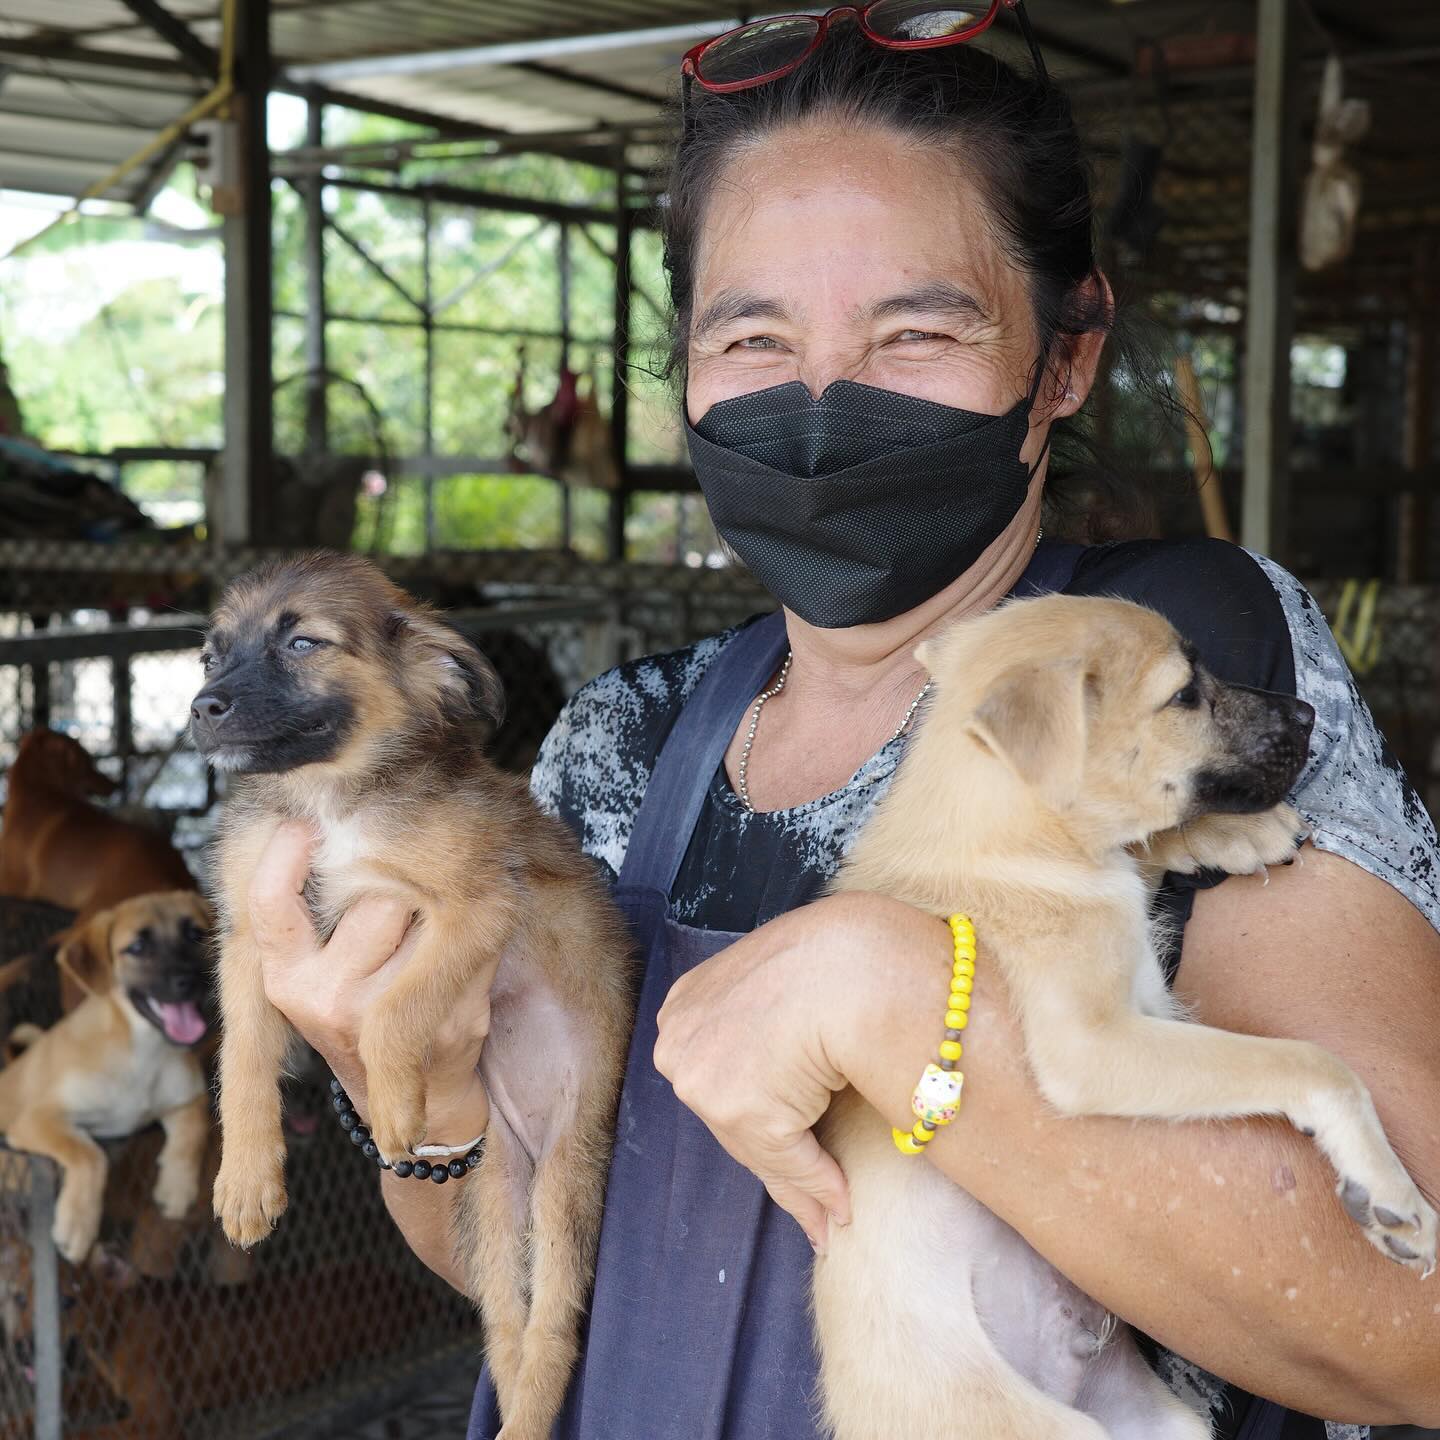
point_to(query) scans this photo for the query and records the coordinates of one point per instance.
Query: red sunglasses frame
(690, 63)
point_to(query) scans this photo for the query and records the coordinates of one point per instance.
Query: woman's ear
(1075, 371)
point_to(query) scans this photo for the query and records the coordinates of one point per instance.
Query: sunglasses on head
(764, 50)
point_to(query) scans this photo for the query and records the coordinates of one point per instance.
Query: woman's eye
(758, 342)
(1188, 698)
(911, 336)
(302, 643)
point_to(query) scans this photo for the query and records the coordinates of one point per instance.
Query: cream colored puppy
(1073, 750)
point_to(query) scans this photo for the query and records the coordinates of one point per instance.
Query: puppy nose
(185, 985)
(24, 1351)
(211, 705)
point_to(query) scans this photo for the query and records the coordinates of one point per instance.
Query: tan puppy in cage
(334, 698)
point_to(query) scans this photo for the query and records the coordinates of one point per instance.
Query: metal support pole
(562, 257)
(1270, 297)
(317, 416)
(45, 1300)
(123, 726)
(620, 365)
(427, 419)
(246, 500)
(39, 679)
(1413, 559)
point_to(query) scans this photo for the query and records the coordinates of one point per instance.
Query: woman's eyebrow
(939, 297)
(731, 305)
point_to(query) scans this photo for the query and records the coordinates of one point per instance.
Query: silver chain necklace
(743, 768)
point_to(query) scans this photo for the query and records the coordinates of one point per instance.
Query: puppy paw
(1397, 1221)
(1234, 844)
(77, 1223)
(176, 1190)
(248, 1202)
(397, 1120)
(396, 1088)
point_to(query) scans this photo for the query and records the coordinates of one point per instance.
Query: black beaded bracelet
(455, 1169)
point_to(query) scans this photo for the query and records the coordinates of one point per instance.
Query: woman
(886, 295)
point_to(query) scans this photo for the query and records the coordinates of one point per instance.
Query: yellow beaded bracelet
(935, 1100)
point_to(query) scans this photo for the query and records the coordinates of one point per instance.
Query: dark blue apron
(699, 1326)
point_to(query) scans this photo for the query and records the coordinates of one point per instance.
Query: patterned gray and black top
(1252, 624)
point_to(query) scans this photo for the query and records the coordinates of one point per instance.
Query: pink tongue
(182, 1022)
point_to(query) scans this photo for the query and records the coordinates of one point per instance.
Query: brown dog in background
(1073, 748)
(121, 1060)
(56, 846)
(334, 698)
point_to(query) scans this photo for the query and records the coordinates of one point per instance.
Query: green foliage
(112, 341)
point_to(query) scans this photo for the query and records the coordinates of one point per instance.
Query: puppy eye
(1188, 698)
(302, 643)
(207, 662)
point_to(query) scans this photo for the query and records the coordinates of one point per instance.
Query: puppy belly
(535, 1059)
(1039, 1322)
(927, 1301)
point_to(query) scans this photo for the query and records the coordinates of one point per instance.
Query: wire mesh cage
(166, 1331)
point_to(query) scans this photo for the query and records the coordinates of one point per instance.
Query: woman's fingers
(279, 919)
(805, 1180)
(369, 935)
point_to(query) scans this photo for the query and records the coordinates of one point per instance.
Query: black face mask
(857, 506)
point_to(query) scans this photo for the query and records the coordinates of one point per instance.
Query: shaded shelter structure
(444, 283)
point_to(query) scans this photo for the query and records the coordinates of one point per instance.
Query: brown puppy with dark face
(1072, 749)
(121, 1060)
(332, 697)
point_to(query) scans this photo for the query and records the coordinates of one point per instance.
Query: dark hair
(1015, 132)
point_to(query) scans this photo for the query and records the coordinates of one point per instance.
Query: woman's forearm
(425, 1214)
(1224, 1241)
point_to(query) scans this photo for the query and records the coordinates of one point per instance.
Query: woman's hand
(755, 1039)
(324, 991)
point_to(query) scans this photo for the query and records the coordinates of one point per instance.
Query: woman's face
(829, 253)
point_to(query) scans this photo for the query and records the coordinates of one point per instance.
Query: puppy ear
(465, 678)
(1034, 720)
(84, 953)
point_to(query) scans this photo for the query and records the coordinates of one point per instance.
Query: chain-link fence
(124, 691)
(171, 1332)
(168, 1332)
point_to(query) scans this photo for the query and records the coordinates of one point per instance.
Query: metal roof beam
(465, 197)
(519, 52)
(588, 82)
(60, 54)
(192, 50)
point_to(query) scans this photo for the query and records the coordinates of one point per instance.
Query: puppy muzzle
(1266, 741)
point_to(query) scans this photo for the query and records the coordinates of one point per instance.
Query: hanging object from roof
(1331, 199)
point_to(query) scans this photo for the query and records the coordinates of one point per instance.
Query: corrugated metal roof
(86, 81)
